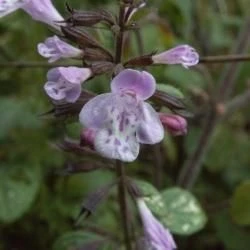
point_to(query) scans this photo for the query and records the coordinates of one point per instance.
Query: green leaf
(152, 197)
(177, 209)
(240, 209)
(232, 144)
(171, 90)
(16, 114)
(185, 78)
(18, 189)
(75, 239)
(232, 236)
(183, 214)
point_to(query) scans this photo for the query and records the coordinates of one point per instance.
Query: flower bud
(89, 18)
(131, 10)
(140, 61)
(174, 124)
(182, 54)
(79, 36)
(87, 137)
(99, 68)
(95, 54)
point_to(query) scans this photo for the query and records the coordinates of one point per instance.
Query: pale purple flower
(54, 48)
(43, 11)
(8, 6)
(157, 237)
(174, 124)
(40, 10)
(64, 83)
(122, 118)
(182, 54)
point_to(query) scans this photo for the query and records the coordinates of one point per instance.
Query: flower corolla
(157, 237)
(122, 119)
(54, 48)
(8, 6)
(64, 83)
(39, 10)
(182, 54)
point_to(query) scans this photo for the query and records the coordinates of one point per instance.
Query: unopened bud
(144, 60)
(167, 100)
(99, 68)
(88, 137)
(89, 18)
(131, 10)
(93, 200)
(80, 37)
(95, 54)
(174, 124)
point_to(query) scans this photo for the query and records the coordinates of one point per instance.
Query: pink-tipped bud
(88, 137)
(174, 124)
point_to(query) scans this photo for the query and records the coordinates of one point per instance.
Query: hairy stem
(225, 58)
(31, 64)
(203, 60)
(123, 202)
(119, 37)
(158, 169)
(119, 165)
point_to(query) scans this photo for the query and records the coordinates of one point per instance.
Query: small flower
(54, 49)
(174, 124)
(43, 11)
(8, 6)
(122, 118)
(182, 54)
(156, 236)
(64, 83)
(40, 10)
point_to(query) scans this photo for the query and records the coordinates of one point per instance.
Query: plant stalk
(123, 203)
(120, 170)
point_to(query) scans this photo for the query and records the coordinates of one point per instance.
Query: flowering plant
(115, 124)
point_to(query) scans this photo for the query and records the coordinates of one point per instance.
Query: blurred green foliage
(38, 207)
